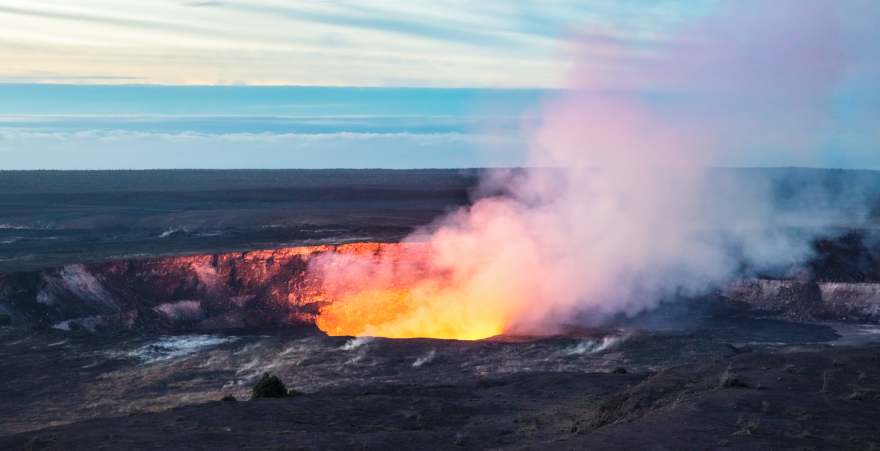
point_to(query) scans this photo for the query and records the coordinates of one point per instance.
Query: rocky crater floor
(738, 382)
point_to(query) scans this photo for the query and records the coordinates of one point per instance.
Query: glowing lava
(402, 313)
(394, 290)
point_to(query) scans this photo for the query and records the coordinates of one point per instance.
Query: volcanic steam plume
(614, 215)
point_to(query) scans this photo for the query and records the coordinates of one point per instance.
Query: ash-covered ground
(738, 383)
(92, 358)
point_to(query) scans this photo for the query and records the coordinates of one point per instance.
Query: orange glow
(395, 291)
(400, 313)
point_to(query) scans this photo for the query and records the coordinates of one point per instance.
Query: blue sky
(88, 127)
(284, 83)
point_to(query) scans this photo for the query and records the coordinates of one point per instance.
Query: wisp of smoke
(612, 217)
(427, 358)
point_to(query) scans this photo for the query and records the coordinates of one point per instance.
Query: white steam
(616, 216)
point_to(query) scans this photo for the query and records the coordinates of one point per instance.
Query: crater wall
(272, 289)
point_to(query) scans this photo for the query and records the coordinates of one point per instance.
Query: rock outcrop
(810, 300)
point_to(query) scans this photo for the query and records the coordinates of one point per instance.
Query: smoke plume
(620, 210)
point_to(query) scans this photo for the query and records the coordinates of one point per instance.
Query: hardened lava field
(136, 348)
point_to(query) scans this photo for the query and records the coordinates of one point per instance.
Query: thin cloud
(490, 43)
(198, 4)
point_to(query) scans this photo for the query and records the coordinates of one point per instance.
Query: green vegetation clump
(270, 386)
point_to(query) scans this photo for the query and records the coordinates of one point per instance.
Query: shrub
(747, 427)
(270, 386)
(729, 380)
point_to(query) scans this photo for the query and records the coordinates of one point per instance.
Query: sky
(96, 84)
(446, 43)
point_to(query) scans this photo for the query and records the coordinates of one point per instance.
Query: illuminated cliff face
(391, 290)
(380, 289)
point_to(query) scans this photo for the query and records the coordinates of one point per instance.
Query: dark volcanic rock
(844, 259)
(821, 399)
(800, 300)
(851, 301)
(792, 299)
